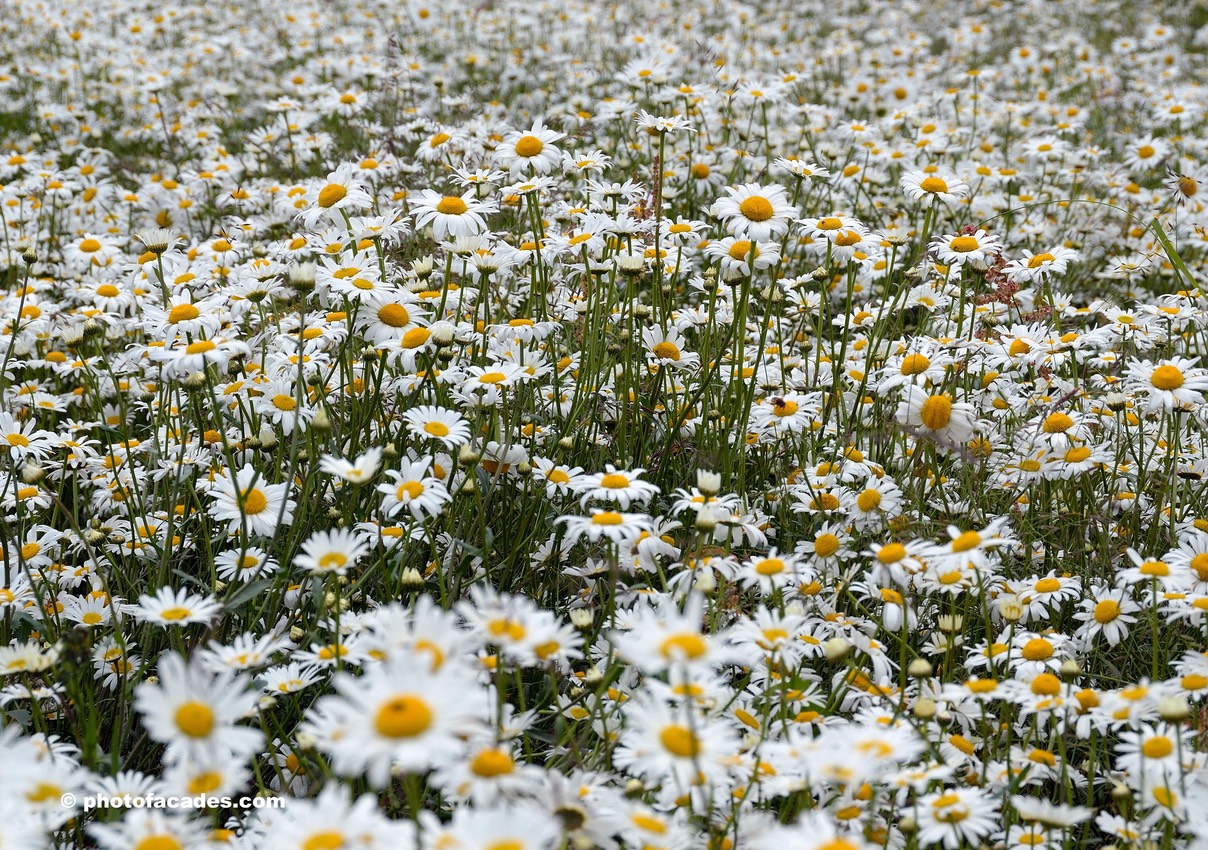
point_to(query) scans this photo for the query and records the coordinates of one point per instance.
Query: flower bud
(32, 473)
(836, 649)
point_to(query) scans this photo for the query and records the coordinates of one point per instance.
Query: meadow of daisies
(565, 425)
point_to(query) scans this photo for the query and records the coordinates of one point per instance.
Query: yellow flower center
(284, 402)
(331, 194)
(415, 337)
(529, 146)
(757, 208)
(1145, 151)
(200, 347)
(683, 645)
(1039, 260)
(869, 500)
(327, 839)
(666, 351)
(1157, 747)
(1167, 377)
(451, 206)
(403, 716)
(1199, 565)
(936, 412)
(915, 364)
(607, 518)
(769, 566)
(491, 763)
(1106, 611)
(1046, 685)
(826, 545)
(253, 501)
(1058, 423)
(1037, 649)
(741, 249)
(680, 741)
(183, 313)
(891, 553)
(964, 244)
(394, 315)
(437, 429)
(1155, 569)
(1048, 585)
(158, 841)
(1077, 455)
(492, 378)
(195, 719)
(90, 246)
(409, 490)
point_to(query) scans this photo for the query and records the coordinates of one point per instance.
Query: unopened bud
(31, 473)
(1173, 709)
(706, 521)
(468, 455)
(582, 618)
(920, 668)
(836, 649)
(925, 708)
(708, 482)
(412, 579)
(321, 422)
(1010, 607)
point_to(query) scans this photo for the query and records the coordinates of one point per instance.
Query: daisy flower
(1041, 266)
(737, 256)
(411, 488)
(660, 741)
(976, 249)
(1176, 383)
(342, 193)
(611, 525)
(451, 216)
(429, 422)
(250, 503)
(664, 347)
(330, 552)
(923, 186)
(1107, 612)
(531, 151)
(193, 709)
(170, 607)
(938, 416)
(624, 487)
(332, 818)
(754, 212)
(956, 817)
(403, 715)
(356, 471)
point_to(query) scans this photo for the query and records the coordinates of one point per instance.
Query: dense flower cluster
(527, 425)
